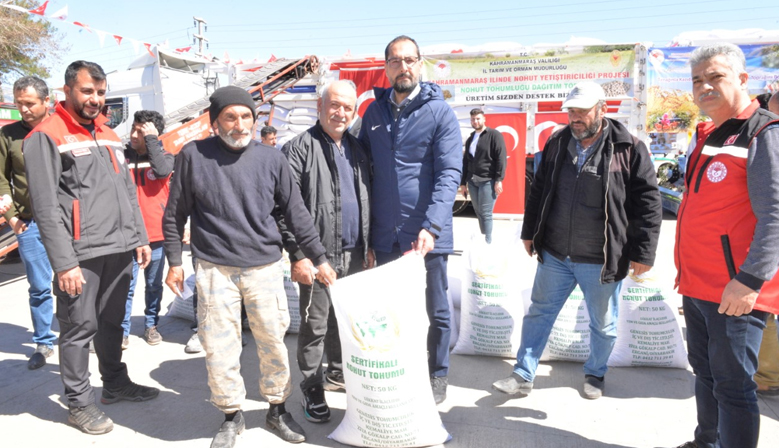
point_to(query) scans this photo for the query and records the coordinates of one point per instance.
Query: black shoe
(90, 419)
(288, 429)
(593, 387)
(130, 392)
(38, 359)
(438, 384)
(314, 405)
(334, 381)
(229, 430)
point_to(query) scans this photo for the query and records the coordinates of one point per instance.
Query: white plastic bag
(181, 307)
(293, 296)
(383, 334)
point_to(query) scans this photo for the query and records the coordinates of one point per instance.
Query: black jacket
(489, 162)
(311, 158)
(632, 201)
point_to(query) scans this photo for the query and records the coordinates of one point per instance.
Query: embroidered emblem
(730, 140)
(717, 172)
(150, 175)
(70, 138)
(81, 152)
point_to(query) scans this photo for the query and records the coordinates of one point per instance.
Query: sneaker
(38, 358)
(438, 384)
(514, 385)
(288, 428)
(90, 420)
(229, 430)
(125, 342)
(152, 336)
(593, 387)
(130, 392)
(334, 381)
(193, 345)
(314, 405)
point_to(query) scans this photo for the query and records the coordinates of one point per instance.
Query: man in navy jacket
(414, 139)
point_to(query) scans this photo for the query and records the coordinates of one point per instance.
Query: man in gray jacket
(332, 170)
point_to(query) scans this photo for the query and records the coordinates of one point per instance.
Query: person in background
(268, 136)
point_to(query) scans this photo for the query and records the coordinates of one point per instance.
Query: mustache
(335, 117)
(707, 94)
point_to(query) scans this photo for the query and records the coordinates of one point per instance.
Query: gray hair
(348, 82)
(732, 54)
(36, 83)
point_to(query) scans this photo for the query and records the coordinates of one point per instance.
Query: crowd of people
(90, 213)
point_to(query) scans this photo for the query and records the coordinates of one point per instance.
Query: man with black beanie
(230, 185)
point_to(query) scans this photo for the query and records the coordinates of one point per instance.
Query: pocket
(76, 210)
(592, 190)
(283, 302)
(725, 240)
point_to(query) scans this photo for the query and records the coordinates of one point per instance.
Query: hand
(185, 239)
(5, 203)
(737, 299)
(143, 256)
(464, 191)
(326, 274)
(425, 242)
(71, 280)
(148, 128)
(301, 271)
(370, 262)
(529, 247)
(175, 280)
(17, 225)
(498, 187)
(639, 268)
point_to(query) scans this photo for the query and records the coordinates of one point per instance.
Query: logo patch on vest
(81, 152)
(730, 140)
(150, 175)
(717, 172)
(70, 138)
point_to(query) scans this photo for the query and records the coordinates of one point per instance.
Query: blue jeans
(483, 199)
(554, 282)
(153, 276)
(723, 352)
(39, 277)
(440, 329)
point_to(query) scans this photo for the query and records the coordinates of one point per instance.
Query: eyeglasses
(395, 62)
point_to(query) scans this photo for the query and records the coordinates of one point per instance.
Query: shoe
(288, 429)
(130, 392)
(690, 444)
(125, 342)
(152, 336)
(593, 387)
(770, 391)
(314, 405)
(229, 430)
(38, 358)
(438, 384)
(334, 381)
(90, 420)
(193, 345)
(514, 385)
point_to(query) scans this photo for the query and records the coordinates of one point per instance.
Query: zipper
(115, 164)
(700, 173)
(606, 171)
(546, 201)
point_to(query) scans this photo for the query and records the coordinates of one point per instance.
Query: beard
(405, 84)
(82, 112)
(229, 137)
(588, 131)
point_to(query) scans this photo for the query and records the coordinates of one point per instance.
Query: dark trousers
(437, 309)
(97, 312)
(318, 333)
(723, 354)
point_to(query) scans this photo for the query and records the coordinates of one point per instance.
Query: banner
(513, 128)
(670, 102)
(196, 129)
(531, 74)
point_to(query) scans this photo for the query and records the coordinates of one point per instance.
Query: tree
(29, 44)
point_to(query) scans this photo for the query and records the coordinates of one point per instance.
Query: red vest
(715, 224)
(153, 195)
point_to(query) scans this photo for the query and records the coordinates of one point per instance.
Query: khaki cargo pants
(220, 292)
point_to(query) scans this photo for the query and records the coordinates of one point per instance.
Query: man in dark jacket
(594, 212)
(85, 205)
(332, 170)
(150, 166)
(484, 167)
(414, 139)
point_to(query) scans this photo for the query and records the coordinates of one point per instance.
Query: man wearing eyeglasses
(414, 139)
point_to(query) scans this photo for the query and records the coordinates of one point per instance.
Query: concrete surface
(643, 407)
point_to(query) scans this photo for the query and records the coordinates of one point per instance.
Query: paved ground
(643, 407)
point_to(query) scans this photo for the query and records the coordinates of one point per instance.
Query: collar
(746, 113)
(408, 99)
(66, 116)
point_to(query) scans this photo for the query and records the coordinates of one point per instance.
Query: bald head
(773, 103)
(337, 107)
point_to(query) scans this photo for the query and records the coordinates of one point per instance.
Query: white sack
(293, 297)
(570, 337)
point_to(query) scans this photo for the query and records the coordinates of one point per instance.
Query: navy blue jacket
(417, 164)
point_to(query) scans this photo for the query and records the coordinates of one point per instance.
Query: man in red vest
(727, 246)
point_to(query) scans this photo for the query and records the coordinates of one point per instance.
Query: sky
(251, 29)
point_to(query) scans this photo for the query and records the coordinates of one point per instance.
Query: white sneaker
(193, 345)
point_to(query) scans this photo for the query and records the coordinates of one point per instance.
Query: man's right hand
(17, 225)
(464, 191)
(301, 272)
(529, 247)
(175, 280)
(71, 280)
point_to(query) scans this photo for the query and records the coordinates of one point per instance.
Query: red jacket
(151, 175)
(716, 222)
